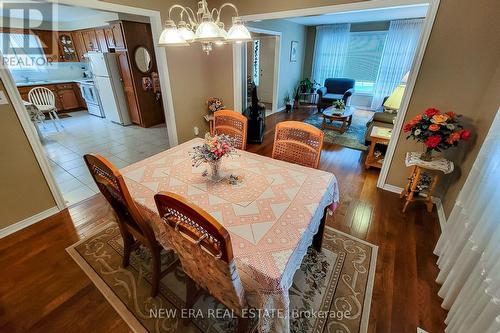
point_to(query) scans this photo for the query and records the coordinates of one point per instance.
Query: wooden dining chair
(233, 124)
(44, 100)
(134, 228)
(205, 251)
(298, 142)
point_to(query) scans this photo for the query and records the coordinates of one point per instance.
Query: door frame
(433, 6)
(161, 56)
(277, 56)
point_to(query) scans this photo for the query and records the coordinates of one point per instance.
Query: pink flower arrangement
(213, 149)
(438, 131)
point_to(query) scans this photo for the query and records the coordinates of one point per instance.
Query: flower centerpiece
(339, 104)
(436, 130)
(211, 152)
(214, 104)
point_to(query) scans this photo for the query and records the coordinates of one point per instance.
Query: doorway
(363, 12)
(262, 68)
(51, 159)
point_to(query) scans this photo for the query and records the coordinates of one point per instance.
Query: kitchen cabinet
(79, 44)
(101, 40)
(128, 87)
(110, 41)
(66, 47)
(49, 42)
(67, 95)
(117, 33)
(90, 40)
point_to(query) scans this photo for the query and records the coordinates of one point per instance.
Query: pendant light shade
(186, 33)
(171, 35)
(238, 31)
(208, 31)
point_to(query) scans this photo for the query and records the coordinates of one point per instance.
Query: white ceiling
(368, 15)
(50, 12)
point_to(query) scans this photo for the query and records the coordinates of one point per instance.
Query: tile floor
(84, 133)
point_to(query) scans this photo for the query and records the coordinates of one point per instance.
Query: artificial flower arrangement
(211, 152)
(438, 131)
(214, 104)
(339, 104)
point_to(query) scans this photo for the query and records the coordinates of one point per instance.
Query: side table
(424, 178)
(381, 136)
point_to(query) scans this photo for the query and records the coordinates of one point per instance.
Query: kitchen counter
(45, 82)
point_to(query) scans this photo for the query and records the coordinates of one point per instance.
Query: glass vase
(426, 155)
(214, 170)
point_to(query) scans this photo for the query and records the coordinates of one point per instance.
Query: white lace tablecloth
(439, 164)
(272, 215)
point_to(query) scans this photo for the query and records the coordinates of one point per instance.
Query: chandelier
(203, 27)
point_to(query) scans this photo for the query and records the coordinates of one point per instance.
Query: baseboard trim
(28, 221)
(435, 200)
(392, 188)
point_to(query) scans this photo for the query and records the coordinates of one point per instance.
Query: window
(363, 56)
(21, 51)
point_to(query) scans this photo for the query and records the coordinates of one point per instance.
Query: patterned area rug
(331, 291)
(353, 138)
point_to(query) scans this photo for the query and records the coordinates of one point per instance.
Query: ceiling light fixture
(204, 27)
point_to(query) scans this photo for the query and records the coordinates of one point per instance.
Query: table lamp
(394, 100)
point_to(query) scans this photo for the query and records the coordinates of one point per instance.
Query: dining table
(274, 212)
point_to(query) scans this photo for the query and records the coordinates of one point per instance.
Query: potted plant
(436, 130)
(307, 85)
(339, 105)
(288, 103)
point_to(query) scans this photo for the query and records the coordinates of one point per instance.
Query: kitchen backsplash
(54, 71)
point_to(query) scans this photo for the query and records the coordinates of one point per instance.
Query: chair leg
(53, 121)
(128, 241)
(156, 270)
(56, 116)
(243, 325)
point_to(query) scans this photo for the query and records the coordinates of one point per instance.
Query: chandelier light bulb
(171, 36)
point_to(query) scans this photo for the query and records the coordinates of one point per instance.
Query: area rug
(354, 137)
(337, 281)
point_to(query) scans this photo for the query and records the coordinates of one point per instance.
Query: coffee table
(331, 114)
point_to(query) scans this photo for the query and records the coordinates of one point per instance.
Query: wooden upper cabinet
(50, 45)
(119, 41)
(90, 40)
(79, 44)
(110, 40)
(101, 39)
(66, 47)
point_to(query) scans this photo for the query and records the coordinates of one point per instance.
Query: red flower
(451, 114)
(431, 112)
(433, 141)
(434, 127)
(408, 127)
(465, 134)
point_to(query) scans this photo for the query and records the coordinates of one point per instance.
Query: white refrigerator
(107, 78)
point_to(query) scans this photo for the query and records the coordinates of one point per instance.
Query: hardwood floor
(43, 290)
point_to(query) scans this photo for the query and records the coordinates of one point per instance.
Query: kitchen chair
(233, 124)
(298, 143)
(205, 251)
(134, 228)
(44, 100)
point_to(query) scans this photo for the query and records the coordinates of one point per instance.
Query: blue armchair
(335, 89)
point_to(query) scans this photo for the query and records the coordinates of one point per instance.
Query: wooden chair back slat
(298, 143)
(233, 124)
(203, 246)
(41, 96)
(111, 184)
